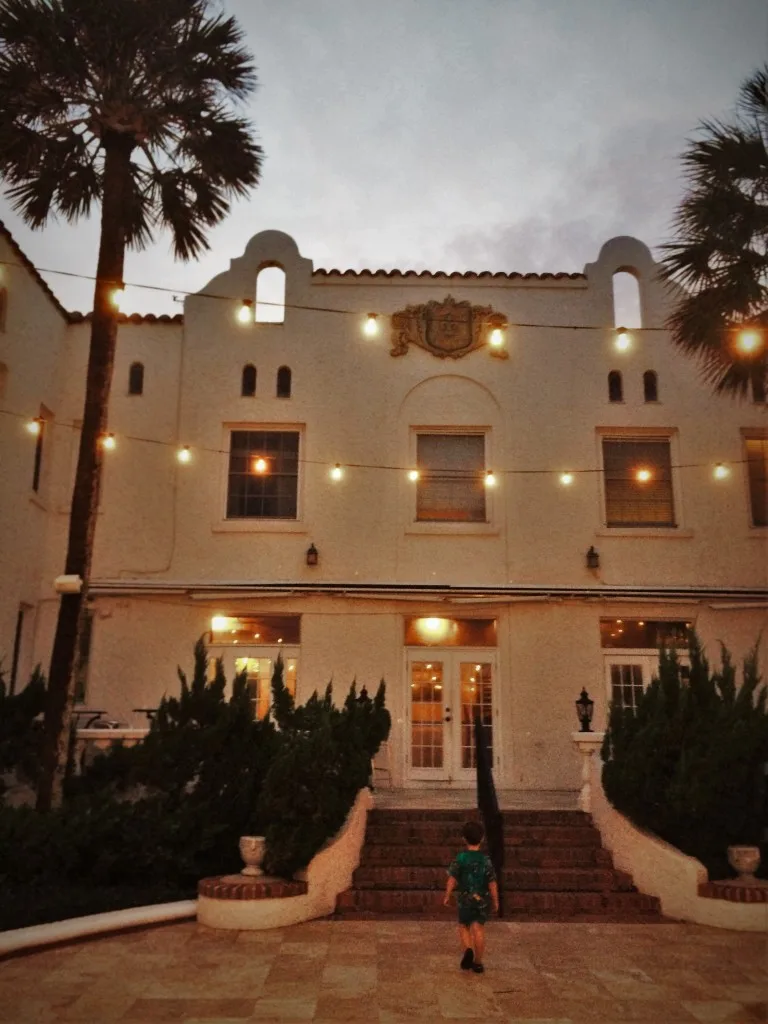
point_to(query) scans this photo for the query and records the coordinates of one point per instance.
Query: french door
(447, 689)
(258, 662)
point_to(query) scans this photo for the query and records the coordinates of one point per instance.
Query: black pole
(488, 805)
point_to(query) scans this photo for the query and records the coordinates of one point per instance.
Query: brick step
(396, 816)
(514, 856)
(535, 904)
(551, 880)
(514, 835)
(543, 916)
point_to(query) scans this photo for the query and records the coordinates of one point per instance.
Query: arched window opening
(626, 300)
(650, 386)
(270, 296)
(284, 382)
(3, 380)
(3, 307)
(615, 387)
(136, 379)
(248, 388)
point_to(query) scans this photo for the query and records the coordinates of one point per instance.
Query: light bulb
(496, 337)
(117, 297)
(490, 479)
(623, 340)
(720, 472)
(184, 454)
(337, 472)
(34, 426)
(260, 465)
(643, 475)
(413, 474)
(371, 327)
(749, 341)
(108, 441)
(219, 623)
(245, 313)
(566, 479)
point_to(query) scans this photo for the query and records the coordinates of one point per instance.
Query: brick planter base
(242, 887)
(735, 892)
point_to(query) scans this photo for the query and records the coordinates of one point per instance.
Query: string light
(184, 454)
(490, 479)
(109, 442)
(413, 474)
(749, 341)
(337, 472)
(34, 426)
(566, 479)
(245, 313)
(623, 340)
(118, 297)
(721, 471)
(371, 327)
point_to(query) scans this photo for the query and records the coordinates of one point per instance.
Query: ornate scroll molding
(448, 329)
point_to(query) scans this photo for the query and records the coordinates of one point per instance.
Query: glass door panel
(476, 687)
(427, 715)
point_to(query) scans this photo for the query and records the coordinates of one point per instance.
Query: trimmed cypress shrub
(689, 762)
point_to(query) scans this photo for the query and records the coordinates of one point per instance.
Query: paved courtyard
(392, 972)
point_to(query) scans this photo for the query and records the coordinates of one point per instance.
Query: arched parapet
(625, 255)
(265, 249)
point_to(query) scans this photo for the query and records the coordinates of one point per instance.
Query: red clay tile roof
(26, 262)
(465, 275)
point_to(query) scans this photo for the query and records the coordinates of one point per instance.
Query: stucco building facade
(449, 557)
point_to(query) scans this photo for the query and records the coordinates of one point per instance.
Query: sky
(454, 134)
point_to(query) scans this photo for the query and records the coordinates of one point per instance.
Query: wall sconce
(584, 709)
(593, 558)
(312, 555)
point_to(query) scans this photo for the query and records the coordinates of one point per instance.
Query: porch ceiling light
(434, 630)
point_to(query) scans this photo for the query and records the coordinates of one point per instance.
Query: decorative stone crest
(448, 329)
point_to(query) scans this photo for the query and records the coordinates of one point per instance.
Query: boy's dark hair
(473, 833)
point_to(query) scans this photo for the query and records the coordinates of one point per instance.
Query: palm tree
(720, 253)
(129, 103)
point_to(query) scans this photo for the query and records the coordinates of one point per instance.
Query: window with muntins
(283, 382)
(263, 474)
(638, 482)
(615, 387)
(650, 386)
(757, 473)
(136, 379)
(248, 381)
(451, 486)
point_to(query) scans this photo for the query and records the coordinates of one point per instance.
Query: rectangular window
(638, 482)
(263, 474)
(451, 484)
(757, 471)
(38, 463)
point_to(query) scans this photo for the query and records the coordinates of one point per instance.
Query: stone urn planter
(745, 860)
(252, 852)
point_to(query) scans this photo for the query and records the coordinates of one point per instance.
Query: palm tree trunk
(85, 496)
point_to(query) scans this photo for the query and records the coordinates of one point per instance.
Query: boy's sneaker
(478, 968)
(467, 960)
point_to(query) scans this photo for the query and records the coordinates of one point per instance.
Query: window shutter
(628, 501)
(451, 485)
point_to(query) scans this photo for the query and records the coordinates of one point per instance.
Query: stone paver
(392, 972)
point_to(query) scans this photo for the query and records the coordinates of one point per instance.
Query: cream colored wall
(31, 347)
(355, 403)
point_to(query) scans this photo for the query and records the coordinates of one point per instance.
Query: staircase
(554, 868)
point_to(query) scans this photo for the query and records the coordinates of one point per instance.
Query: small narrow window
(758, 389)
(248, 385)
(3, 380)
(615, 387)
(3, 307)
(18, 639)
(136, 379)
(650, 386)
(270, 295)
(38, 462)
(284, 382)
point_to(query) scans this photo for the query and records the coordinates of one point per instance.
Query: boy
(472, 873)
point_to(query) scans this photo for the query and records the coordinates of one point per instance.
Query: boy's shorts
(475, 912)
